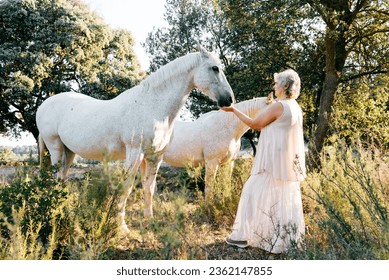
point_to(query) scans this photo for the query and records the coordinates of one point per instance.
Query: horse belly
(222, 152)
(183, 161)
(181, 154)
(100, 152)
(92, 141)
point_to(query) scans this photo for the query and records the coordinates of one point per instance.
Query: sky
(139, 17)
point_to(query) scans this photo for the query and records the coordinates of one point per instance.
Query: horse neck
(169, 87)
(238, 127)
(249, 107)
(170, 107)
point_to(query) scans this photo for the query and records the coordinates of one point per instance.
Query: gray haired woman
(270, 212)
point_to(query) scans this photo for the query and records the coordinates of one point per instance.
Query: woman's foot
(240, 244)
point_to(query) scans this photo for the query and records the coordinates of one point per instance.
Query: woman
(270, 212)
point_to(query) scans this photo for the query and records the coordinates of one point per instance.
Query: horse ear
(202, 50)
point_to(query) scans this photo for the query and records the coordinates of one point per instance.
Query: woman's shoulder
(291, 109)
(292, 104)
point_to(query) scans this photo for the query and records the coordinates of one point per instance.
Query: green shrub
(25, 244)
(38, 197)
(93, 221)
(346, 205)
(220, 203)
(42, 217)
(30, 209)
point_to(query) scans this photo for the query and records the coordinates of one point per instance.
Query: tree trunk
(331, 82)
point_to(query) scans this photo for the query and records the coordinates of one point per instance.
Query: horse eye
(215, 68)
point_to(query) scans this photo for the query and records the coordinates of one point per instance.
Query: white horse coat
(213, 139)
(136, 125)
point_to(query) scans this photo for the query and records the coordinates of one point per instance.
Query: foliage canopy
(52, 46)
(335, 46)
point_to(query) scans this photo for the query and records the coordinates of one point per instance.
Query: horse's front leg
(134, 158)
(211, 167)
(149, 170)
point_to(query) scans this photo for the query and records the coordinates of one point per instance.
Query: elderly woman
(270, 212)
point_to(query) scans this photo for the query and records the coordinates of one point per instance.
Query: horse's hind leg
(44, 156)
(67, 160)
(56, 149)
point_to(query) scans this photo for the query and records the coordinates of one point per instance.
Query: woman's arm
(273, 112)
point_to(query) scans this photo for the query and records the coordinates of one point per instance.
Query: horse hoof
(124, 229)
(148, 213)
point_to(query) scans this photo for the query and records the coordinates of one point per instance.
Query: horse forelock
(215, 58)
(164, 75)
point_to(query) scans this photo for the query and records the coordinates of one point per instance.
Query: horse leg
(67, 160)
(134, 158)
(211, 167)
(149, 170)
(56, 150)
(44, 156)
(231, 165)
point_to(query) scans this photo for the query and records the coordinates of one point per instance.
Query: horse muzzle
(226, 100)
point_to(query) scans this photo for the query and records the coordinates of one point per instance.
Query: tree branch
(373, 10)
(366, 73)
(357, 38)
(318, 9)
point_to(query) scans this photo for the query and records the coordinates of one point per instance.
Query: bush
(39, 198)
(29, 209)
(43, 218)
(347, 205)
(92, 212)
(7, 155)
(220, 203)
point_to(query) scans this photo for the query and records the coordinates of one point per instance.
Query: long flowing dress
(270, 212)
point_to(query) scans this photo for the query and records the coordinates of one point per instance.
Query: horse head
(210, 79)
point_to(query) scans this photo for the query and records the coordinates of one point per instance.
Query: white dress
(270, 212)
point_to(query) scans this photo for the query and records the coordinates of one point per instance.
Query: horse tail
(43, 154)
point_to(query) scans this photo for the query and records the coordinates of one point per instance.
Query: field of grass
(345, 204)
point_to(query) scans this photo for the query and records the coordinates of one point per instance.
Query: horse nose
(226, 100)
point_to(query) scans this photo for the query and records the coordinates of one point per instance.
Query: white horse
(136, 126)
(213, 139)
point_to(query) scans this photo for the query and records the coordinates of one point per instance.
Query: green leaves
(332, 45)
(47, 47)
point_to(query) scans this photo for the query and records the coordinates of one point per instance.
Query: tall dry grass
(347, 205)
(346, 212)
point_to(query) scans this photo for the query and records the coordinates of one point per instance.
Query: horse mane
(250, 107)
(164, 75)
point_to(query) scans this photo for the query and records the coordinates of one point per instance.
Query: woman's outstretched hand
(227, 109)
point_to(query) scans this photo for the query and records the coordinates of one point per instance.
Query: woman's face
(278, 89)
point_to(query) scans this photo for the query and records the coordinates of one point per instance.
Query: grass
(345, 204)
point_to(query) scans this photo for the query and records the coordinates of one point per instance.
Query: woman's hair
(290, 80)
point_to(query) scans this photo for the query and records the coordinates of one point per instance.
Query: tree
(355, 45)
(51, 46)
(250, 40)
(187, 21)
(334, 46)
(361, 112)
(7, 155)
